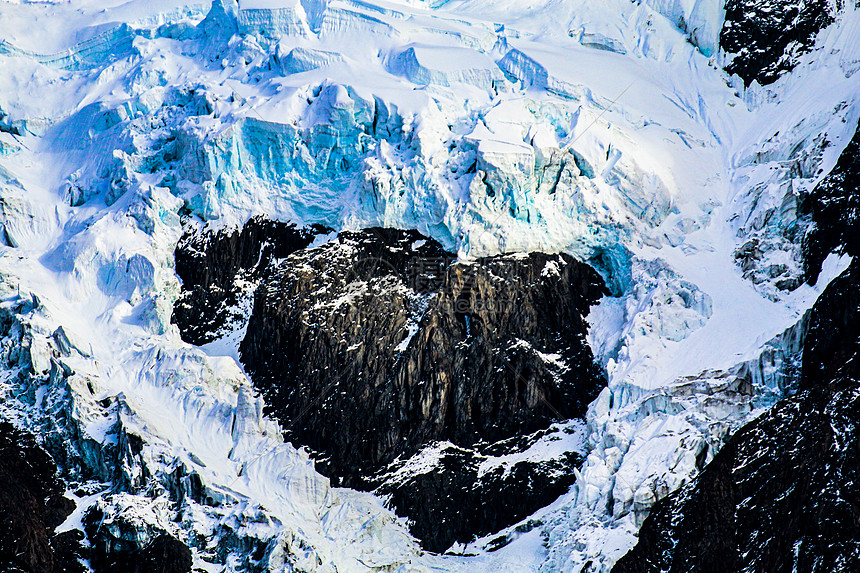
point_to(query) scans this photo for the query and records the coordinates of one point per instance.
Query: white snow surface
(661, 167)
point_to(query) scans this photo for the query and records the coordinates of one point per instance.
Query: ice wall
(701, 20)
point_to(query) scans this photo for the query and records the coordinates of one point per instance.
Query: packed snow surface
(603, 129)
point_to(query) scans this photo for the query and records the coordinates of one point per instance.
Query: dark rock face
(32, 504)
(784, 493)
(834, 206)
(376, 344)
(364, 363)
(453, 500)
(210, 263)
(833, 341)
(118, 544)
(164, 554)
(766, 37)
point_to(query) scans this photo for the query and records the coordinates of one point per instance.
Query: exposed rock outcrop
(164, 554)
(766, 38)
(377, 344)
(210, 263)
(834, 206)
(452, 493)
(32, 505)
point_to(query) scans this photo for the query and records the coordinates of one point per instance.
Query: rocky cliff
(32, 505)
(764, 39)
(213, 265)
(379, 343)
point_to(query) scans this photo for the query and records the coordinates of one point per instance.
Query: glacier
(608, 131)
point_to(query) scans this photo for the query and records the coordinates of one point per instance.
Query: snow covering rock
(444, 67)
(648, 444)
(300, 60)
(701, 20)
(779, 174)
(764, 39)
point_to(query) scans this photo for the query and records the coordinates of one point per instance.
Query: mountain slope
(156, 158)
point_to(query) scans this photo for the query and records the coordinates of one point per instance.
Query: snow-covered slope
(607, 130)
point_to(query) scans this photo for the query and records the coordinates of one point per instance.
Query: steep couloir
(784, 493)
